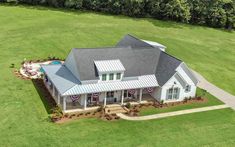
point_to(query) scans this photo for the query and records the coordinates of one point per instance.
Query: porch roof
(60, 76)
(142, 82)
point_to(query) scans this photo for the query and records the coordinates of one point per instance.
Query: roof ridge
(139, 40)
(111, 47)
(172, 56)
(69, 89)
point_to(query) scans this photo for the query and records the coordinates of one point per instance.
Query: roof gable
(166, 67)
(71, 64)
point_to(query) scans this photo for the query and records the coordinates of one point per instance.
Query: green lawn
(211, 102)
(36, 32)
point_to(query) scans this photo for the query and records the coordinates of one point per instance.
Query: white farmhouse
(133, 70)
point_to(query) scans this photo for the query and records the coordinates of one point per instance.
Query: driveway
(222, 95)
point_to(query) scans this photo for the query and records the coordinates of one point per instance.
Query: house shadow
(45, 96)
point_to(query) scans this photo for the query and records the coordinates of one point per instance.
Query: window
(118, 76)
(127, 94)
(188, 88)
(110, 94)
(111, 76)
(103, 77)
(173, 93)
(169, 93)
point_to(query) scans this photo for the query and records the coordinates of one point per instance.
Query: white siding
(157, 93)
(183, 74)
(160, 93)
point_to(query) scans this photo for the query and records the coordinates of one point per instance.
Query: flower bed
(58, 117)
(156, 107)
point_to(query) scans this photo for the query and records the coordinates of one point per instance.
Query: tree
(171, 9)
(198, 11)
(77, 4)
(230, 14)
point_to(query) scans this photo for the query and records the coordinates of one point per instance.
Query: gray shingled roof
(131, 41)
(137, 57)
(136, 61)
(166, 68)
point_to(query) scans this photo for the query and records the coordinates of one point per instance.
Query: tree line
(213, 13)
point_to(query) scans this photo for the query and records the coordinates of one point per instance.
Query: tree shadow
(44, 94)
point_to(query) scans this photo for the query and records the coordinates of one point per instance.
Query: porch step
(114, 109)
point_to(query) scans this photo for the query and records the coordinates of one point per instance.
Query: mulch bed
(44, 93)
(87, 114)
(79, 115)
(134, 111)
(19, 75)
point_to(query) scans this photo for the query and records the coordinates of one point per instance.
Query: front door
(110, 97)
(89, 100)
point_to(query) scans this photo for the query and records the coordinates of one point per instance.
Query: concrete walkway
(222, 95)
(175, 113)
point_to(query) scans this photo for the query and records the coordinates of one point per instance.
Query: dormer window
(118, 77)
(109, 70)
(103, 77)
(111, 76)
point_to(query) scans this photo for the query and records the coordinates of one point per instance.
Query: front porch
(86, 105)
(92, 101)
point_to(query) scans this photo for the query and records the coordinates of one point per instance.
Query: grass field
(211, 101)
(36, 32)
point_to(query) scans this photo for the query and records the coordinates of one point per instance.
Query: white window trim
(172, 95)
(105, 77)
(110, 76)
(188, 90)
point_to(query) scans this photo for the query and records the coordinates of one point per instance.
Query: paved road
(168, 114)
(222, 95)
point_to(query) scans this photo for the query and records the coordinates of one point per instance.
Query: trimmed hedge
(214, 13)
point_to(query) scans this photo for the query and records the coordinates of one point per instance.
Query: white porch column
(105, 98)
(140, 96)
(85, 100)
(64, 103)
(58, 98)
(53, 90)
(122, 97)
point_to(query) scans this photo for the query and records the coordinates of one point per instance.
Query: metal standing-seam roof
(109, 65)
(142, 82)
(60, 76)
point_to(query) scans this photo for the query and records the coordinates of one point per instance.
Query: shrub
(56, 114)
(12, 65)
(128, 105)
(12, 1)
(100, 108)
